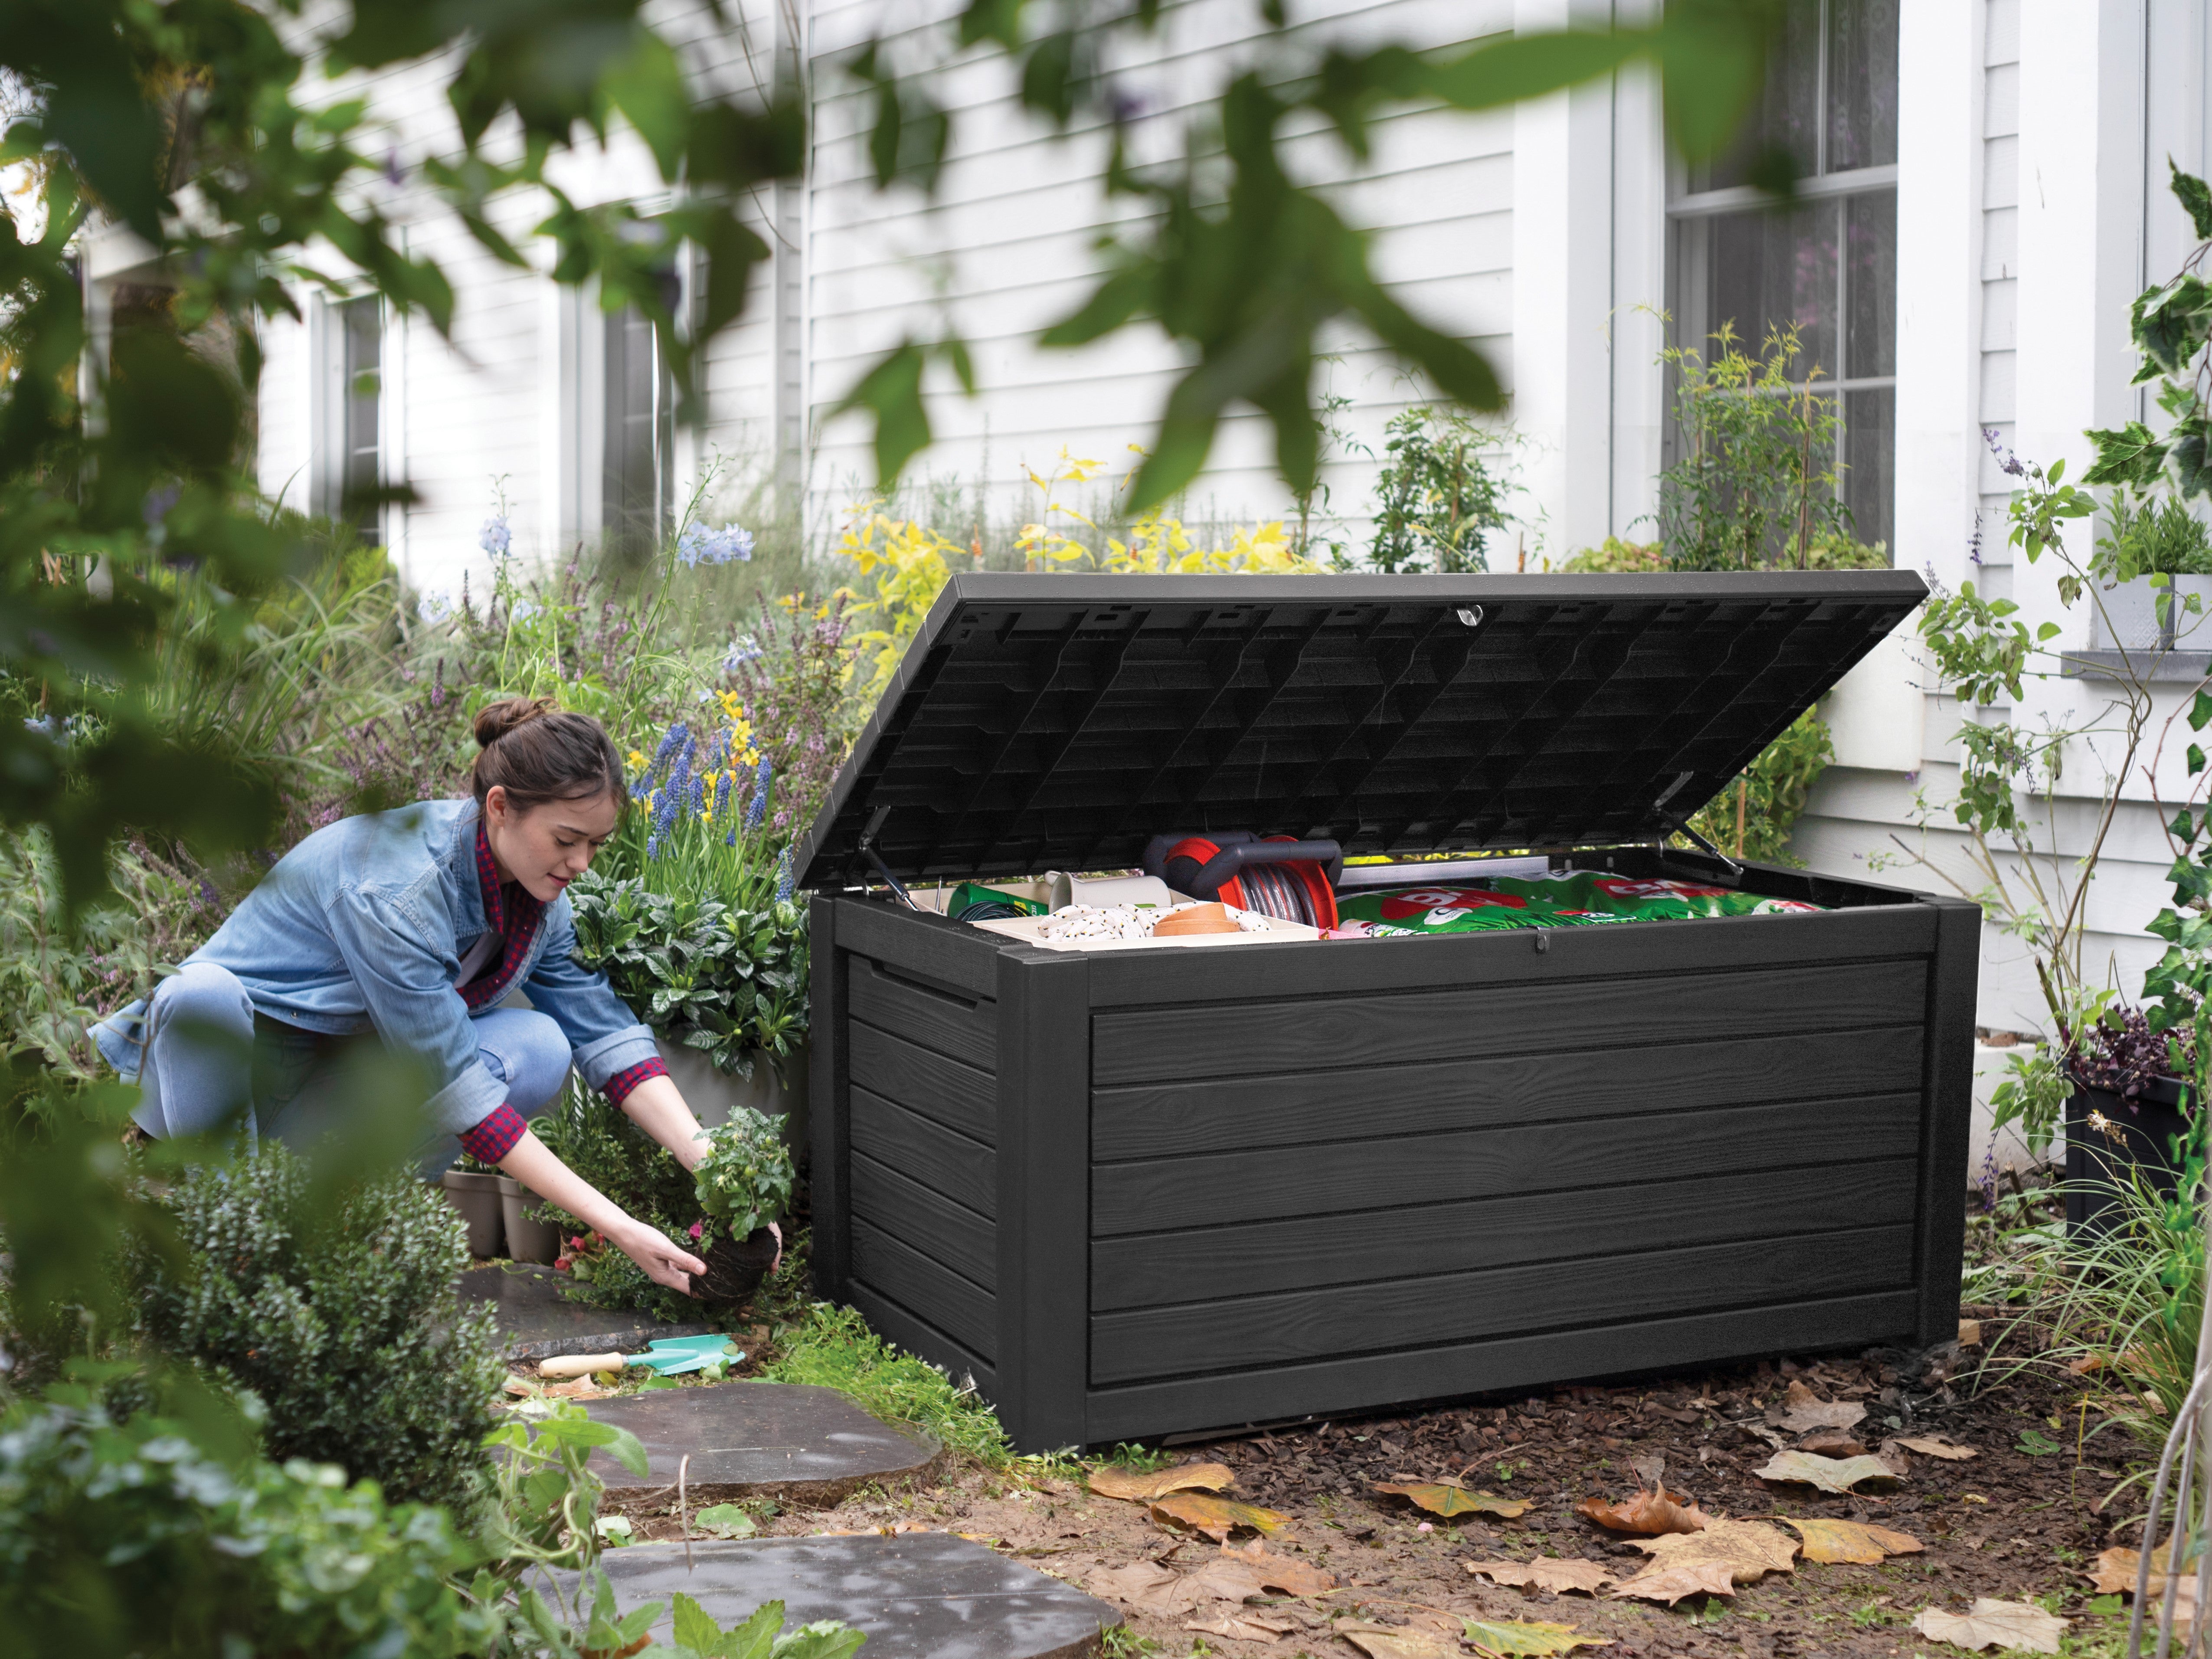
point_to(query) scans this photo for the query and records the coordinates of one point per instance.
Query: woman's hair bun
(495, 719)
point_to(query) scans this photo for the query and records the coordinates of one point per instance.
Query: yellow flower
(637, 758)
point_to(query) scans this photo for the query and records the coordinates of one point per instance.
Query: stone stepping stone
(781, 1440)
(539, 1323)
(918, 1595)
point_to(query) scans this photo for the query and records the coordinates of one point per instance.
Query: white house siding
(2040, 127)
(1006, 246)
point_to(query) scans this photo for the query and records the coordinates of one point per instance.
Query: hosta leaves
(1111, 1482)
(1511, 1638)
(1853, 1540)
(1447, 1499)
(1216, 1517)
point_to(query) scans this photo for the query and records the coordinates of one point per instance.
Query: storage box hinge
(867, 850)
(1734, 869)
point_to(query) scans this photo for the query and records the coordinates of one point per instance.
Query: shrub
(127, 1538)
(1435, 498)
(722, 978)
(340, 1316)
(1753, 815)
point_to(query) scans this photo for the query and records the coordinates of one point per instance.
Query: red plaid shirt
(513, 917)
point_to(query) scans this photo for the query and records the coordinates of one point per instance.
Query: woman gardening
(413, 926)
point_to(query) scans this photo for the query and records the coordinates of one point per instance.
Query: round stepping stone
(918, 1595)
(781, 1440)
(537, 1322)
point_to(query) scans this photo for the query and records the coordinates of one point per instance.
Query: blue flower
(722, 794)
(701, 543)
(741, 653)
(158, 503)
(496, 538)
(757, 808)
(670, 743)
(784, 879)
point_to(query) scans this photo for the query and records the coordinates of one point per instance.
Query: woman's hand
(533, 1164)
(661, 1261)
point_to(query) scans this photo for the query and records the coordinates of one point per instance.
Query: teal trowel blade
(671, 1356)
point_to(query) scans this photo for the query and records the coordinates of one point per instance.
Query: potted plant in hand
(744, 1182)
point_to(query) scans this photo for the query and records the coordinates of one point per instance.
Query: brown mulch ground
(2009, 1523)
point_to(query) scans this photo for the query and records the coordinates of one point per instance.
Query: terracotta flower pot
(735, 1267)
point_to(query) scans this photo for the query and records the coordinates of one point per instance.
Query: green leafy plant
(1753, 817)
(341, 1317)
(1757, 483)
(746, 1179)
(126, 1537)
(2150, 535)
(833, 1348)
(1436, 497)
(725, 979)
(761, 1636)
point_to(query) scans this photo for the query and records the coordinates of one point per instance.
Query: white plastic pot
(775, 1090)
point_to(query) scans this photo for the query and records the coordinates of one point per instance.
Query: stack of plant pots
(494, 1208)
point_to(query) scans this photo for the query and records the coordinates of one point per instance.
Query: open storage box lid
(1051, 721)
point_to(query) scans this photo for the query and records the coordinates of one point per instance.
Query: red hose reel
(1277, 876)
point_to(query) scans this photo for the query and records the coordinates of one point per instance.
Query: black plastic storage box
(1139, 1192)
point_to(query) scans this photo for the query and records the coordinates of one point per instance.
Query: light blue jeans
(212, 1063)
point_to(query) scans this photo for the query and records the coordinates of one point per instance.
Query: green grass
(832, 1347)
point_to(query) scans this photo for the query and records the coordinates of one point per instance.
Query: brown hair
(538, 752)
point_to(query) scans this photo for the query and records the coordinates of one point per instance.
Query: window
(359, 351)
(639, 481)
(1829, 265)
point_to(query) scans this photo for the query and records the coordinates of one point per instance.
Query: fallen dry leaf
(1930, 1446)
(1216, 1517)
(1803, 1411)
(1547, 1572)
(1145, 1586)
(1280, 1572)
(1389, 1642)
(1832, 1443)
(1751, 1549)
(2113, 1573)
(1992, 1624)
(1647, 1512)
(1892, 1456)
(1517, 1639)
(1110, 1482)
(1246, 1627)
(1970, 1333)
(1447, 1499)
(1853, 1540)
(1671, 1584)
(1828, 1473)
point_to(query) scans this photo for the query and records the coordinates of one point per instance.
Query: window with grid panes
(1828, 265)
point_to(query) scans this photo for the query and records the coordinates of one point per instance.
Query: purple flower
(497, 537)
(784, 877)
(721, 793)
(674, 739)
(757, 808)
(703, 544)
(158, 502)
(2007, 461)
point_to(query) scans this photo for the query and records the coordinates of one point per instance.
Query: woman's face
(547, 847)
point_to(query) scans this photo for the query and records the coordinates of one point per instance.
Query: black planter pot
(2141, 1136)
(735, 1267)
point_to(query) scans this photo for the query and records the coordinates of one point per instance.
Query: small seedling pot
(477, 1197)
(735, 1267)
(526, 1240)
(2098, 1161)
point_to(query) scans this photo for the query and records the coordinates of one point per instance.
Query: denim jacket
(362, 926)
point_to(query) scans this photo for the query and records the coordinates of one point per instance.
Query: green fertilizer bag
(1581, 898)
